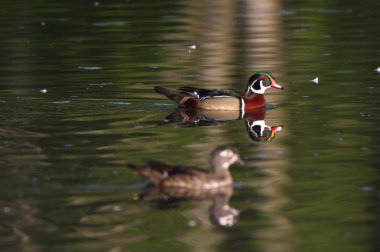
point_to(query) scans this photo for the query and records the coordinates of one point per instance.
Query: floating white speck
(61, 102)
(192, 223)
(377, 69)
(367, 188)
(96, 4)
(43, 91)
(90, 67)
(121, 103)
(192, 48)
(315, 80)
(116, 208)
(43, 23)
(6, 209)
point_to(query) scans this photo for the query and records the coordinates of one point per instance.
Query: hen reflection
(221, 213)
(170, 184)
(254, 121)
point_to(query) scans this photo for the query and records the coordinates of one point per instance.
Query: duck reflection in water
(254, 120)
(173, 183)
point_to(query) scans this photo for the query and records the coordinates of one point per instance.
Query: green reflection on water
(65, 185)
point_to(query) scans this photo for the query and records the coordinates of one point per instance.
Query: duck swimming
(189, 177)
(215, 99)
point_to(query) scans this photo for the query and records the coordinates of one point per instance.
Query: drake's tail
(172, 95)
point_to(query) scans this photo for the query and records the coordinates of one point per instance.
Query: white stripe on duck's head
(259, 82)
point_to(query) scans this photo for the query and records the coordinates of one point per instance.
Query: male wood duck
(215, 99)
(189, 177)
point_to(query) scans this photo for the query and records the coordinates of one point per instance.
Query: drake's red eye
(266, 81)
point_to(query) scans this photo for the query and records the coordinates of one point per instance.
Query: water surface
(77, 104)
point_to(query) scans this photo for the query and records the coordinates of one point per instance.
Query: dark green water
(63, 153)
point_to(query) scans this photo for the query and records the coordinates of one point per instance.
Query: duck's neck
(254, 101)
(221, 168)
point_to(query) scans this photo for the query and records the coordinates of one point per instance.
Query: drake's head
(259, 82)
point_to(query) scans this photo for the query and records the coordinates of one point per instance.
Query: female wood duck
(214, 99)
(192, 178)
